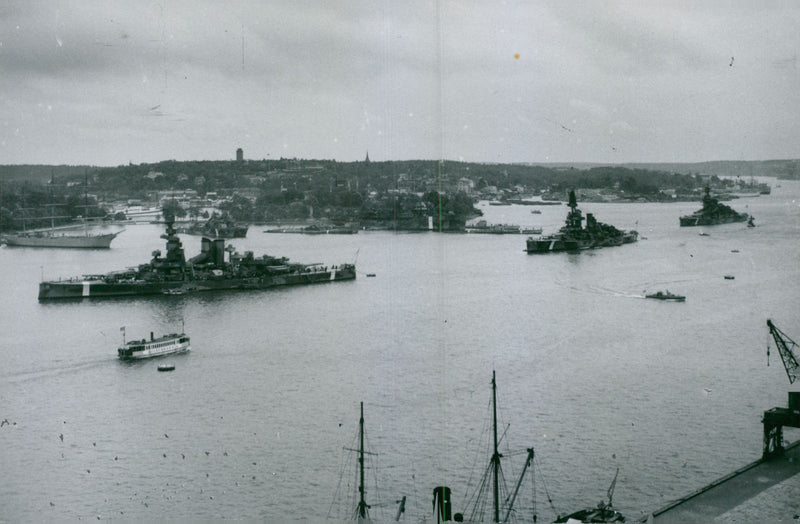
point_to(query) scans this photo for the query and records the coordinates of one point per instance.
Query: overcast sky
(107, 82)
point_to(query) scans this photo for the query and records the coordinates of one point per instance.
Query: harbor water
(253, 422)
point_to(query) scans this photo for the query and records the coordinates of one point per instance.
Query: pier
(767, 490)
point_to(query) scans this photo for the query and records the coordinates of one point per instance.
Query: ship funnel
(441, 503)
(219, 252)
(151, 336)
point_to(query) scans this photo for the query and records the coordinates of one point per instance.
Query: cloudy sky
(110, 82)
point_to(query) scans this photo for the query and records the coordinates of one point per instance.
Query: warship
(713, 213)
(173, 274)
(216, 227)
(574, 237)
(62, 235)
(41, 238)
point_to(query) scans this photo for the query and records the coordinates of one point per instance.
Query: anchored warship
(216, 227)
(574, 237)
(713, 213)
(172, 274)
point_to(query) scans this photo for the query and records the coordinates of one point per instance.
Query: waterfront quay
(767, 490)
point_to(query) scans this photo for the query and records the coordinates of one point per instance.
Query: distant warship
(713, 213)
(218, 226)
(574, 237)
(42, 238)
(172, 274)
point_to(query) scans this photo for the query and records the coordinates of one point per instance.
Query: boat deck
(763, 491)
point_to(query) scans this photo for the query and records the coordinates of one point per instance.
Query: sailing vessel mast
(361, 510)
(495, 455)
(491, 475)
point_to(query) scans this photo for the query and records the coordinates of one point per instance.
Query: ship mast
(496, 455)
(362, 504)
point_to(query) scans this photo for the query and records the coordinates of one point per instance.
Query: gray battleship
(713, 213)
(574, 237)
(172, 274)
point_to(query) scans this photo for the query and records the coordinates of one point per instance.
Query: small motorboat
(602, 513)
(729, 277)
(166, 367)
(370, 274)
(666, 295)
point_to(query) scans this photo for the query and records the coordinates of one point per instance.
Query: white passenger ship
(155, 347)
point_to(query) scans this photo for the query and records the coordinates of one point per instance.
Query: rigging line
(533, 493)
(373, 466)
(478, 501)
(478, 456)
(338, 491)
(504, 434)
(544, 484)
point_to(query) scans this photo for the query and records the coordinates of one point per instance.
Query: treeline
(274, 189)
(286, 179)
(31, 205)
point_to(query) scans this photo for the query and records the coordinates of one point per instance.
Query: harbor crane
(786, 347)
(776, 418)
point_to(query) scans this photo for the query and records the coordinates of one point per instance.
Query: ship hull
(236, 232)
(63, 241)
(668, 298)
(691, 220)
(89, 288)
(155, 352)
(555, 244)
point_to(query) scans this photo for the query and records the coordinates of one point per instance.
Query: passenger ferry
(155, 347)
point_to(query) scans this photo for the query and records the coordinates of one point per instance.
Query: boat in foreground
(574, 237)
(602, 513)
(155, 347)
(359, 511)
(208, 271)
(503, 500)
(666, 295)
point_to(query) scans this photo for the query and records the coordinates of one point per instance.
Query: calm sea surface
(253, 421)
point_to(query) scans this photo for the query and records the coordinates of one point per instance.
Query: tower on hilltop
(239, 155)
